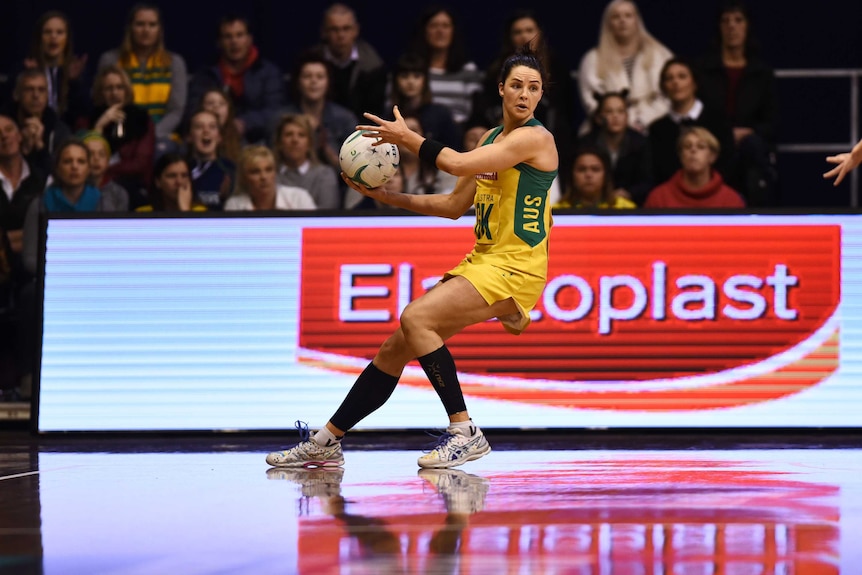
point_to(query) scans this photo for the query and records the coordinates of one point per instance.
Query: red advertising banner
(623, 305)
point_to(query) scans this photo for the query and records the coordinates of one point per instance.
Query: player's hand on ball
(391, 132)
(370, 192)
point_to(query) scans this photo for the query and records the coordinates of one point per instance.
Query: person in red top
(695, 185)
(255, 84)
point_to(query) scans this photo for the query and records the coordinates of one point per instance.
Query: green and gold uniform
(513, 222)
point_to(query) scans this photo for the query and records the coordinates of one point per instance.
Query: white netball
(366, 164)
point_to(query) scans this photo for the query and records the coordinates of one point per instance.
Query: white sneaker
(307, 453)
(464, 493)
(454, 448)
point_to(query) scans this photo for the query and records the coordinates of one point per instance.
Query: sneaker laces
(302, 428)
(439, 441)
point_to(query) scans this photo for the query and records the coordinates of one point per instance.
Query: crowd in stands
(140, 132)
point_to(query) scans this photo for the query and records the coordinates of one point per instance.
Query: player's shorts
(496, 284)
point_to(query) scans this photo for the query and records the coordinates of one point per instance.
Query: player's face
(98, 158)
(314, 81)
(521, 92)
(439, 31)
(204, 135)
(294, 143)
(73, 168)
(678, 83)
(145, 29)
(260, 177)
(588, 175)
(54, 37)
(623, 21)
(174, 177)
(695, 154)
(614, 114)
(734, 28)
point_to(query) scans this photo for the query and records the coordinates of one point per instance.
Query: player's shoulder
(535, 132)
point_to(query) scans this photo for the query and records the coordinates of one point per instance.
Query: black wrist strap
(429, 150)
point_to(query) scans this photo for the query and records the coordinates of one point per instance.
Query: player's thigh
(451, 306)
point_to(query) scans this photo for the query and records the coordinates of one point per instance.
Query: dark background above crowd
(811, 37)
(821, 35)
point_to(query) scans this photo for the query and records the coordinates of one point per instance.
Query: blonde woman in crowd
(257, 188)
(627, 57)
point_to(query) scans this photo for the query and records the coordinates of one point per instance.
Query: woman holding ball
(507, 178)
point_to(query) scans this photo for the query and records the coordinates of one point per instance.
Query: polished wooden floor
(579, 503)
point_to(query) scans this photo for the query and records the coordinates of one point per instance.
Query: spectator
(172, 187)
(589, 184)
(212, 174)
(69, 191)
(52, 52)
(696, 184)
(114, 196)
(734, 78)
(312, 95)
(258, 189)
(555, 110)
(159, 78)
(359, 73)
(41, 127)
(21, 183)
(254, 83)
(422, 177)
(411, 92)
(678, 83)
(129, 130)
(220, 103)
(473, 132)
(394, 185)
(627, 57)
(627, 149)
(452, 76)
(298, 164)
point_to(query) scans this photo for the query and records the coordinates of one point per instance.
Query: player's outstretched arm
(451, 206)
(845, 163)
(533, 145)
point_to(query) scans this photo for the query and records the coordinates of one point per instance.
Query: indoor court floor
(565, 503)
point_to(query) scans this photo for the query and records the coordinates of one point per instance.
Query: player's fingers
(356, 186)
(840, 177)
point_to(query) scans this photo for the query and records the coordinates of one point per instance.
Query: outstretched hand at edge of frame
(845, 163)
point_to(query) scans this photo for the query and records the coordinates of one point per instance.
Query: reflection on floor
(746, 511)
